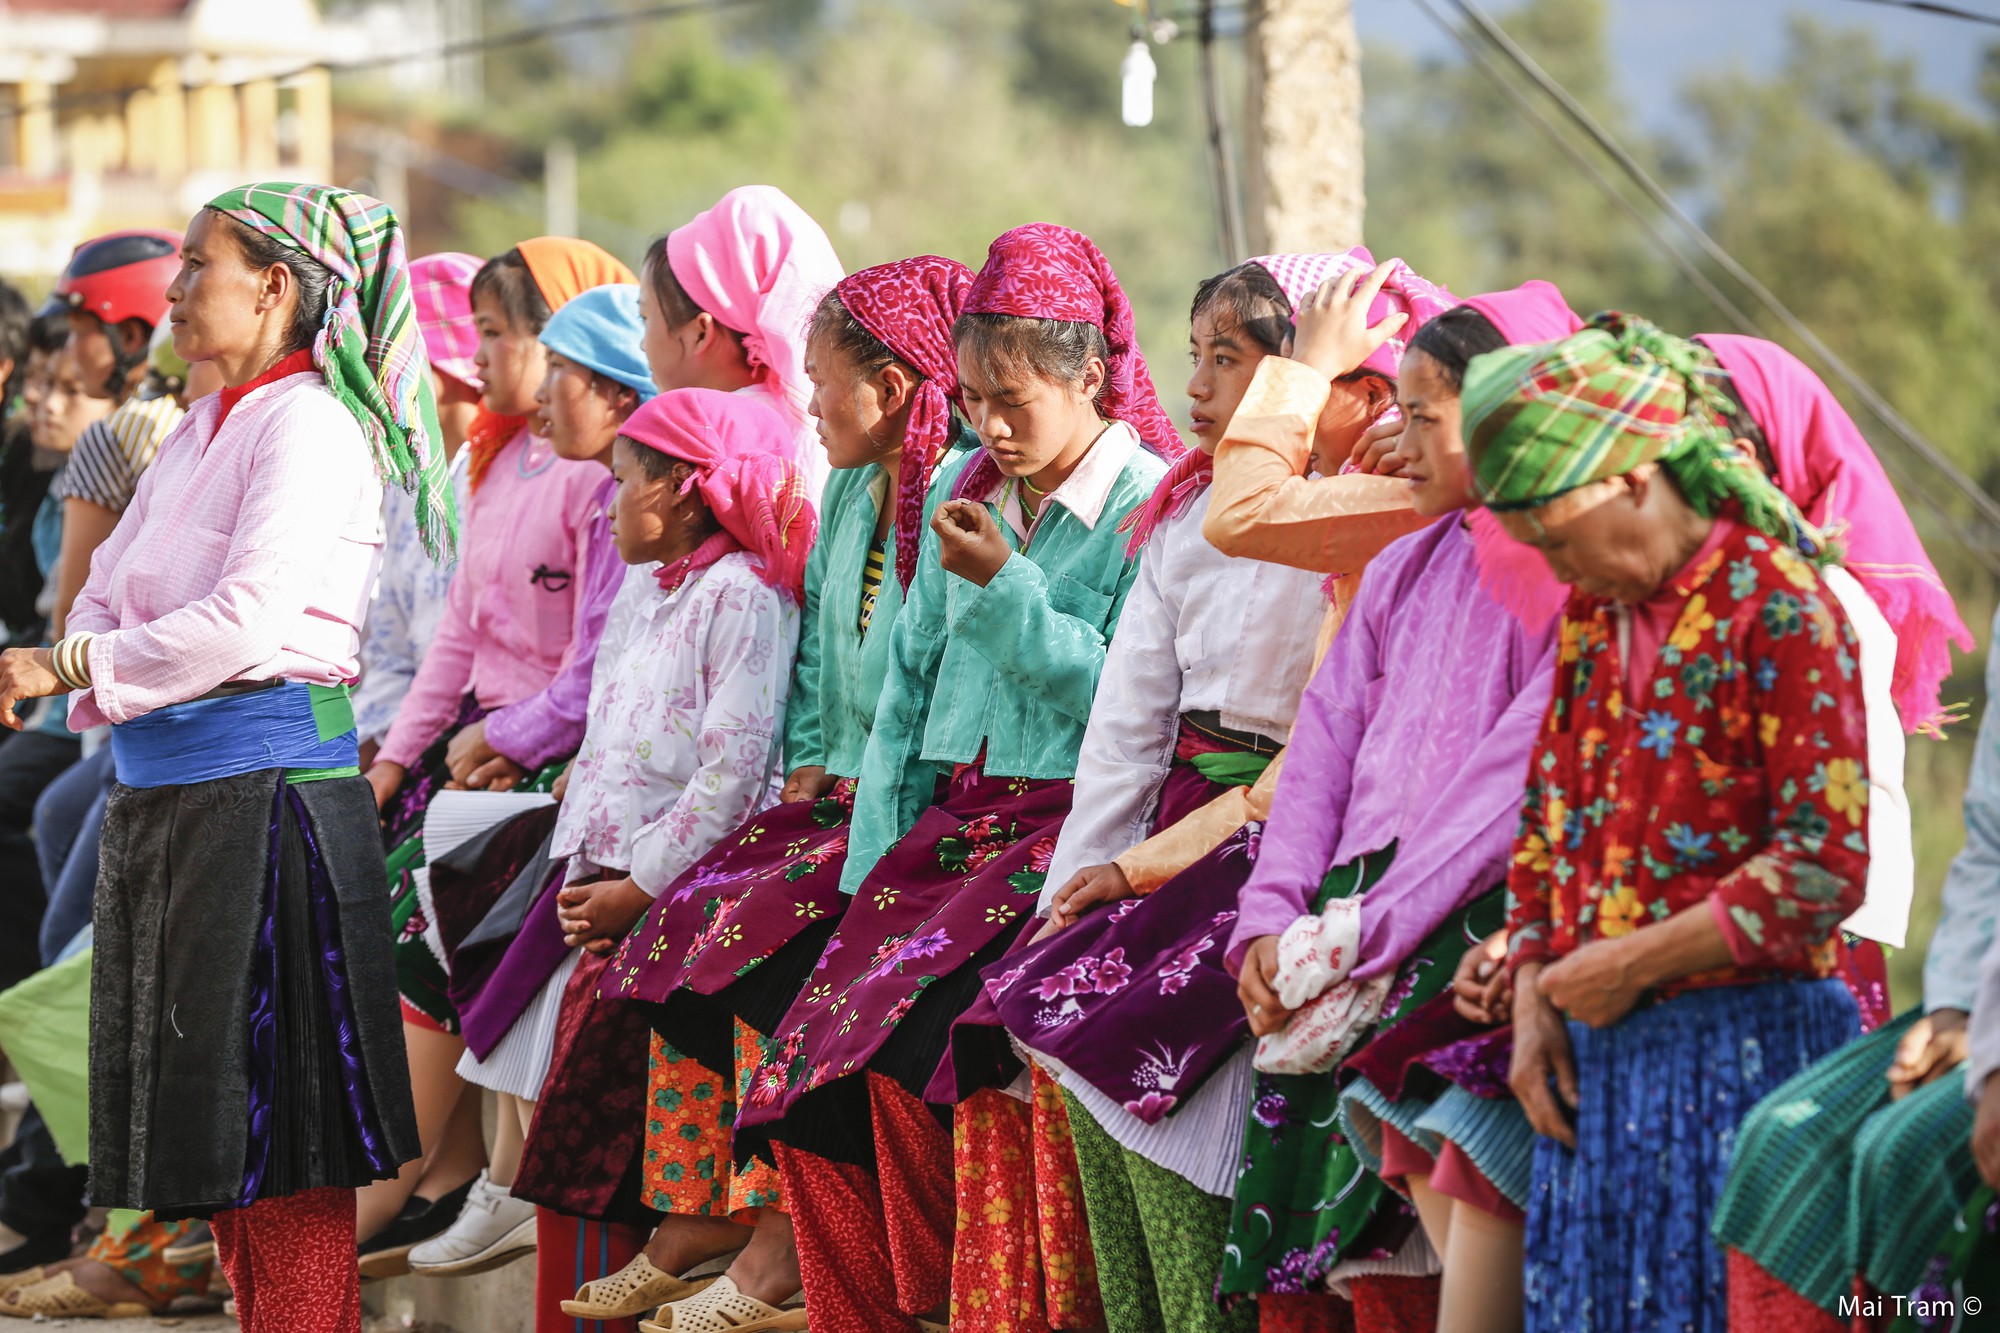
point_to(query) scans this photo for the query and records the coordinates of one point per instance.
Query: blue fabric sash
(289, 726)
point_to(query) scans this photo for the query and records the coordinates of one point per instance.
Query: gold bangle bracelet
(70, 659)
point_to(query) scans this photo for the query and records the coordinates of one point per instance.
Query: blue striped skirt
(1618, 1230)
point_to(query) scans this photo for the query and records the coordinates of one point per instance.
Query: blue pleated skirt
(1618, 1231)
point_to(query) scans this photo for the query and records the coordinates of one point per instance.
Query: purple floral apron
(741, 903)
(1135, 1000)
(968, 870)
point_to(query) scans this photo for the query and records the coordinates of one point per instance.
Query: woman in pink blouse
(246, 1061)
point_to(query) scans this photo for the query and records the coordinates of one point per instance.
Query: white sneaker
(493, 1230)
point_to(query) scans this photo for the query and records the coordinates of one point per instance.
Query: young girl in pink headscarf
(687, 705)
(726, 300)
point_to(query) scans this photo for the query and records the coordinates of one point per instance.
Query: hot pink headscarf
(1299, 276)
(1042, 271)
(1534, 312)
(759, 264)
(910, 306)
(739, 448)
(1826, 467)
(1513, 573)
(441, 285)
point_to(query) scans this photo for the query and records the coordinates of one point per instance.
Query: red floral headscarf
(1042, 271)
(910, 307)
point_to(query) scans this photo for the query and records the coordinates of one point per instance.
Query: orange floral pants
(689, 1162)
(1022, 1261)
(138, 1253)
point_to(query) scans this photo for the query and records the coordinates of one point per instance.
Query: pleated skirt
(245, 1037)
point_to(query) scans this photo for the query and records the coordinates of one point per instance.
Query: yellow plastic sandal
(721, 1308)
(27, 1277)
(633, 1289)
(59, 1297)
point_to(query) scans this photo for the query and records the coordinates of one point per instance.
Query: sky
(1658, 44)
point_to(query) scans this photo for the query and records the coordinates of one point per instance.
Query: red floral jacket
(1737, 777)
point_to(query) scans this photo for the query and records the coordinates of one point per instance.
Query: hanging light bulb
(1136, 74)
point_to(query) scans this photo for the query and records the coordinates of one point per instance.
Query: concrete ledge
(502, 1301)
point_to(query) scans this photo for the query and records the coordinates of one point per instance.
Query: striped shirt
(114, 451)
(871, 582)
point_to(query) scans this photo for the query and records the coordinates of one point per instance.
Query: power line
(1876, 404)
(1944, 11)
(1955, 529)
(441, 52)
(1687, 267)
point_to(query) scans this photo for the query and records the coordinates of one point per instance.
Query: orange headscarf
(562, 267)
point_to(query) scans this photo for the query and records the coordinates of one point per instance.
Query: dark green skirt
(1304, 1201)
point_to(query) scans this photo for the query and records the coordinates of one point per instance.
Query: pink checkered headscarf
(1042, 271)
(1298, 276)
(759, 264)
(910, 307)
(441, 285)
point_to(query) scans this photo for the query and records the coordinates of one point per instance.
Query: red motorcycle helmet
(122, 275)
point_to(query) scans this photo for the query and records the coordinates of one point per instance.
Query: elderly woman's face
(217, 301)
(1602, 538)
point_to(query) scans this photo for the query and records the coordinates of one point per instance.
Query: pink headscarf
(1299, 276)
(759, 264)
(1513, 573)
(738, 447)
(441, 285)
(1534, 312)
(1042, 271)
(1421, 299)
(1826, 467)
(910, 307)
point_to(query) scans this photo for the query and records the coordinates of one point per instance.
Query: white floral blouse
(687, 705)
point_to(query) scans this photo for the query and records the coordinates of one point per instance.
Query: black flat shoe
(35, 1250)
(387, 1253)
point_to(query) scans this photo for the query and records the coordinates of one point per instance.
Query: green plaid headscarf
(1543, 421)
(370, 348)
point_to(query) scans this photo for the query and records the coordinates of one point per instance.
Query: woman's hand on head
(25, 673)
(1089, 887)
(1257, 987)
(808, 782)
(969, 541)
(1333, 334)
(1935, 1044)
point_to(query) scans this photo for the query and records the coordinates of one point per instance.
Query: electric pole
(1304, 132)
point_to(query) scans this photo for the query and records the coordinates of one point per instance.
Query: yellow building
(124, 113)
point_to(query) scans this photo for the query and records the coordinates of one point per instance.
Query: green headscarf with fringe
(370, 349)
(1542, 421)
